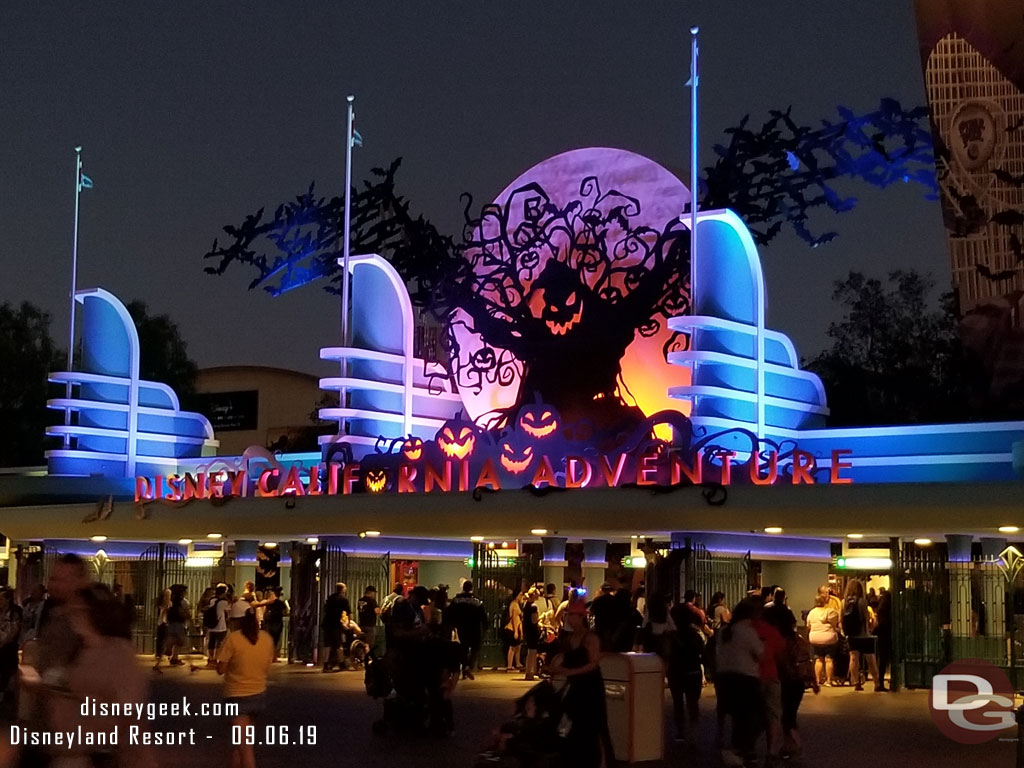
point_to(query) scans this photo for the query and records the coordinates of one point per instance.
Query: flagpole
(346, 331)
(74, 289)
(694, 192)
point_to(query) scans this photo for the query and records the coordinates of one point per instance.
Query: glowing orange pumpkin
(412, 449)
(456, 441)
(538, 421)
(376, 480)
(515, 461)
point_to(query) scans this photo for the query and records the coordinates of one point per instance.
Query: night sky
(194, 114)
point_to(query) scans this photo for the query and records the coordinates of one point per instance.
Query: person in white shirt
(823, 635)
(218, 632)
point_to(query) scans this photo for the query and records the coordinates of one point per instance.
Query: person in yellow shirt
(244, 659)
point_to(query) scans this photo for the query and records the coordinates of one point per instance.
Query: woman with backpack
(857, 627)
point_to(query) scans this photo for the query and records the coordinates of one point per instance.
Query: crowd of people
(70, 642)
(754, 655)
(72, 639)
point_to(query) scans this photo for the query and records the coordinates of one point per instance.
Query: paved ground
(841, 728)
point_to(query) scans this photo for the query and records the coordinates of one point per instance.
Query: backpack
(178, 613)
(804, 662)
(853, 622)
(210, 618)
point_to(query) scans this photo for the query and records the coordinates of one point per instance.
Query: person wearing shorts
(823, 635)
(244, 659)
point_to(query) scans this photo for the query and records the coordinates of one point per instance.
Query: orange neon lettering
(292, 484)
(334, 469)
(262, 489)
(645, 468)
(464, 475)
(833, 474)
(315, 489)
(773, 468)
(238, 485)
(572, 479)
(489, 476)
(195, 486)
(406, 478)
(349, 477)
(611, 477)
(694, 474)
(217, 483)
(143, 489)
(174, 488)
(727, 457)
(431, 477)
(545, 473)
(803, 467)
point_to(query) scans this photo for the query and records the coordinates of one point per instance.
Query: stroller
(391, 678)
(532, 738)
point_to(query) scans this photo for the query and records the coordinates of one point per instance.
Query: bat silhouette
(1005, 274)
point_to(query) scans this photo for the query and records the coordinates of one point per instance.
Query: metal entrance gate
(922, 612)
(356, 572)
(695, 567)
(949, 611)
(496, 580)
(158, 568)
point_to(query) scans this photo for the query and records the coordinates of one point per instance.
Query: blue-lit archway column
(595, 564)
(992, 549)
(554, 561)
(245, 563)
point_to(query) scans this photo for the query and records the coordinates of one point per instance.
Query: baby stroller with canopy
(533, 737)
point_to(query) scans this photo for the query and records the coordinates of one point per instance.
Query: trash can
(634, 691)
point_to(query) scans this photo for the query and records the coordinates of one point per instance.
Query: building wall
(434, 572)
(800, 580)
(286, 399)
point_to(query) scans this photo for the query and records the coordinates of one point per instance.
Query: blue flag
(357, 140)
(86, 182)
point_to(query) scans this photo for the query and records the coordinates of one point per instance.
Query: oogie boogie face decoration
(538, 420)
(457, 439)
(557, 298)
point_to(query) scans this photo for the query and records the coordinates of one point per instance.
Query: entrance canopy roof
(820, 511)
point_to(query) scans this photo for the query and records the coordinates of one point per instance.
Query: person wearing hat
(368, 611)
(579, 664)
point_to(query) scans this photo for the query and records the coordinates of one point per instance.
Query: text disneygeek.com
(100, 735)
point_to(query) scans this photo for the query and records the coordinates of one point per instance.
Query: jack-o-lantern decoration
(515, 459)
(412, 448)
(456, 439)
(376, 480)
(538, 421)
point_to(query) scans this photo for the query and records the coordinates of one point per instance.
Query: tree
(561, 289)
(163, 352)
(27, 356)
(895, 358)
